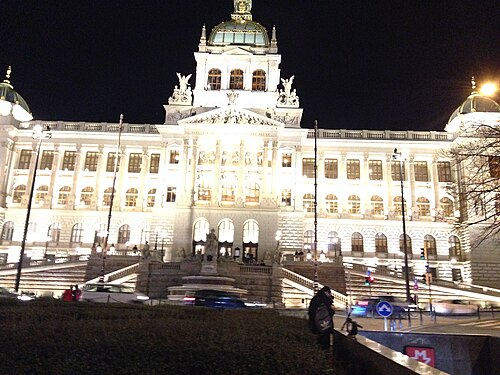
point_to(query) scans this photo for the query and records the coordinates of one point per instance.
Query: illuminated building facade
(232, 155)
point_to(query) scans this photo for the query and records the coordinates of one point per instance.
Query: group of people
(72, 293)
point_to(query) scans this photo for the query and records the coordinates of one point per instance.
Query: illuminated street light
(488, 89)
(398, 156)
(315, 281)
(39, 134)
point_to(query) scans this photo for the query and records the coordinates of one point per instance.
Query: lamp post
(38, 133)
(315, 281)
(398, 156)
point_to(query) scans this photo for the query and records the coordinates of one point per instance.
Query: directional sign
(384, 309)
(425, 355)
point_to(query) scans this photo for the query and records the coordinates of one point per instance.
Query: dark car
(218, 299)
(6, 293)
(367, 306)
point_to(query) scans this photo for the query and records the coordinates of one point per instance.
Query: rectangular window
(353, 169)
(308, 167)
(375, 170)
(421, 172)
(286, 197)
(171, 193)
(69, 161)
(444, 171)
(331, 168)
(47, 159)
(174, 157)
(134, 163)
(154, 163)
(286, 160)
(91, 160)
(24, 159)
(110, 164)
(398, 168)
(494, 166)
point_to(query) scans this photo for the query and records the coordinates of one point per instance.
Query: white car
(111, 293)
(454, 307)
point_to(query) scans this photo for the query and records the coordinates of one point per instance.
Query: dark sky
(357, 64)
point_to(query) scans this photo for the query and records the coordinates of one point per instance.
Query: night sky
(357, 64)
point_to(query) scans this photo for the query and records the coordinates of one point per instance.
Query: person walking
(68, 294)
(77, 292)
(320, 314)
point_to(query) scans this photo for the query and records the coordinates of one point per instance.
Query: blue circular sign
(384, 309)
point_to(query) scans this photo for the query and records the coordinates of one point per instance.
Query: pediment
(230, 114)
(237, 51)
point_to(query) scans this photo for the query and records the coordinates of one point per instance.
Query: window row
(331, 202)
(92, 159)
(86, 194)
(236, 80)
(375, 169)
(334, 247)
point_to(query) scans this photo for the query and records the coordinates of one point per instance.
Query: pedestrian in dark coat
(321, 304)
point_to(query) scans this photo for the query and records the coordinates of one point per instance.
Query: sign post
(385, 310)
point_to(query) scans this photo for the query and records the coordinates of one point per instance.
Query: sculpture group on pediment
(182, 93)
(286, 96)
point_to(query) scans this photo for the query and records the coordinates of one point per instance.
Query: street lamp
(39, 133)
(315, 282)
(398, 156)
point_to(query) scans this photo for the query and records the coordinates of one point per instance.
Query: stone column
(142, 203)
(53, 176)
(100, 173)
(76, 175)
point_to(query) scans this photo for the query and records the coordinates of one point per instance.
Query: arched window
(309, 243)
(252, 192)
(151, 198)
(446, 206)
(41, 193)
(64, 192)
(131, 198)
(377, 205)
(236, 79)
(408, 244)
(455, 248)
(214, 79)
(86, 195)
(201, 228)
(430, 245)
(334, 245)
(423, 206)
(18, 194)
(226, 237)
(54, 232)
(76, 233)
(332, 204)
(381, 243)
(354, 204)
(106, 198)
(251, 238)
(357, 242)
(308, 202)
(259, 80)
(398, 206)
(123, 234)
(8, 230)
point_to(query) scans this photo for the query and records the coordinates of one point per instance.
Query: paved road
(487, 324)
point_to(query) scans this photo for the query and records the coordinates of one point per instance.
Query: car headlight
(24, 297)
(143, 298)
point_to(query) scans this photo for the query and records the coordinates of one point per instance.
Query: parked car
(111, 293)
(367, 306)
(218, 299)
(455, 307)
(6, 293)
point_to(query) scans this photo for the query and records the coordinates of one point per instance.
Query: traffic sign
(425, 355)
(384, 309)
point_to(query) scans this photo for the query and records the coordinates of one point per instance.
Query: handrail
(308, 283)
(122, 272)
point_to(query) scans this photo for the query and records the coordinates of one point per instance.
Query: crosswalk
(490, 324)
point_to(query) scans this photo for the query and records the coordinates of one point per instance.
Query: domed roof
(475, 103)
(240, 30)
(12, 102)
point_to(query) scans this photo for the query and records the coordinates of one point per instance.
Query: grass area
(55, 337)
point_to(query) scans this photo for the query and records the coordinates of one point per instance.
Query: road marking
(480, 324)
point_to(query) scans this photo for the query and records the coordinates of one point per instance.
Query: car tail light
(189, 300)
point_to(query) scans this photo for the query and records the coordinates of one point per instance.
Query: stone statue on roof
(182, 94)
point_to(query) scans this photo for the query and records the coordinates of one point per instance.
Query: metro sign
(424, 355)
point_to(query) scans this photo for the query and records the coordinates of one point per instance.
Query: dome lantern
(11, 103)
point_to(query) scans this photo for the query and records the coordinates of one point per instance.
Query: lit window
(423, 206)
(154, 163)
(398, 206)
(64, 192)
(377, 205)
(236, 79)
(308, 167)
(24, 159)
(455, 248)
(308, 202)
(332, 204)
(214, 79)
(91, 160)
(106, 199)
(69, 161)
(354, 204)
(380, 243)
(151, 198)
(375, 170)
(123, 234)
(110, 164)
(353, 169)
(421, 172)
(86, 195)
(134, 163)
(41, 193)
(174, 156)
(430, 245)
(331, 168)
(446, 205)
(357, 242)
(76, 233)
(444, 171)
(131, 197)
(18, 194)
(408, 244)
(171, 194)
(252, 192)
(286, 160)
(259, 80)
(398, 169)
(47, 160)
(286, 197)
